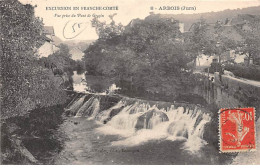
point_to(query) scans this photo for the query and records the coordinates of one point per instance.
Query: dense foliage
(147, 54)
(239, 70)
(24, 84)
(249, 72)
(152, 54)
(250, 46)
(62, 65)
(59, 62)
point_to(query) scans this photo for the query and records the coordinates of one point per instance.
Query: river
(104, 128)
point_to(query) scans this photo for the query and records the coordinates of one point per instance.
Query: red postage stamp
(237, 129)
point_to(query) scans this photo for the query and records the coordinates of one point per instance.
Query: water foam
(137, 122)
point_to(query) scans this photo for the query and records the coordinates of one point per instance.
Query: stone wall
(230, 92)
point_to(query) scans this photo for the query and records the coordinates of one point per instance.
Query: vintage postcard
(130, 82)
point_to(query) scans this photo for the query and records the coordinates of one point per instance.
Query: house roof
(50, 35)
(48, 30)
(56, 40)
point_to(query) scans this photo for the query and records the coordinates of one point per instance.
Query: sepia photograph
(130, 82)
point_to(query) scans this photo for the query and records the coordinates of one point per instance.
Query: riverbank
(32, 138)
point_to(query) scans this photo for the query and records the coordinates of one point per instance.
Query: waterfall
(140, 121)
(89, 108)
(102, 116)
(75, 106)
(187, 123)
(124, 120)
(197, 135)
(155, 120)
(84, 108)
(95, 108)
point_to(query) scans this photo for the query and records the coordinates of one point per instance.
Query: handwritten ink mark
(73, 29)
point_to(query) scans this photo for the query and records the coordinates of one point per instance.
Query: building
(51, 43)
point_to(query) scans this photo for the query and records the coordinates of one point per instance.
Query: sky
(65, 27)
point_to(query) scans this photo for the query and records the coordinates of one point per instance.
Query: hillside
(211, 17)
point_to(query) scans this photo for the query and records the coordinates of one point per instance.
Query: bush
(249, 72)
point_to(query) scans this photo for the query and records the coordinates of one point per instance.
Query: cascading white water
(75, 106)
(155, 120)
(195, 140)
(89, 109)
(102, 116)
(124, 120)
(84, 107)
(139, 122)
(186, 125)
(95, 108)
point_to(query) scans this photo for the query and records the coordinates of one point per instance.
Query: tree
(250, 46)
(147, 54)
(209, 40)
(62, 58)
(107, 31)
(25, 85)
(64, 51)
(199, 40)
